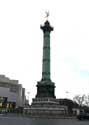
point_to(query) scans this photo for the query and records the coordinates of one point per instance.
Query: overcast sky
(21, 42)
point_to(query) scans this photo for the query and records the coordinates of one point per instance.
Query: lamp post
(28, 93)
(67, 94)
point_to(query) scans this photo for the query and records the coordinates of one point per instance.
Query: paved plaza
(5, 120)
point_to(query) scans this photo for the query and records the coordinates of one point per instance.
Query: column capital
(46, 27)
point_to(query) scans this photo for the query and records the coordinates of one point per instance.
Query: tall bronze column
(45, 88)
(46, 51)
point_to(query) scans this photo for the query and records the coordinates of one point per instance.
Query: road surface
(6, 120)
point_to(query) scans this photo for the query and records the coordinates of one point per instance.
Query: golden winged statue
(47, 15)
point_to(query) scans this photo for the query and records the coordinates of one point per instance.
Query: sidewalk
(37, 116)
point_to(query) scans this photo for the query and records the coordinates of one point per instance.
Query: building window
(11, 105)
(1, 105)
(3, 102)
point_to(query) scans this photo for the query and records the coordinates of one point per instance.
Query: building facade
(12, 94)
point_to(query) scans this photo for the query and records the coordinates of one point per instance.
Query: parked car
(83, 116)
(3, 111)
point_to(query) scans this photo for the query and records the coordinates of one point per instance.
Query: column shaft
(46, 57)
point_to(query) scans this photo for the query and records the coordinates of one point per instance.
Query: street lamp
(67, 94)
(28, 93)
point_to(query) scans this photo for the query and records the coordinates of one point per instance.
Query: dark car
(83, 116)
(3, 111)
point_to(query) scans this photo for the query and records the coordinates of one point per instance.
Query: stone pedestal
(45, 89)
(46, 107)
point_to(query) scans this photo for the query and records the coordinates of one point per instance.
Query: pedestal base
(45, 103)
(46, 107)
